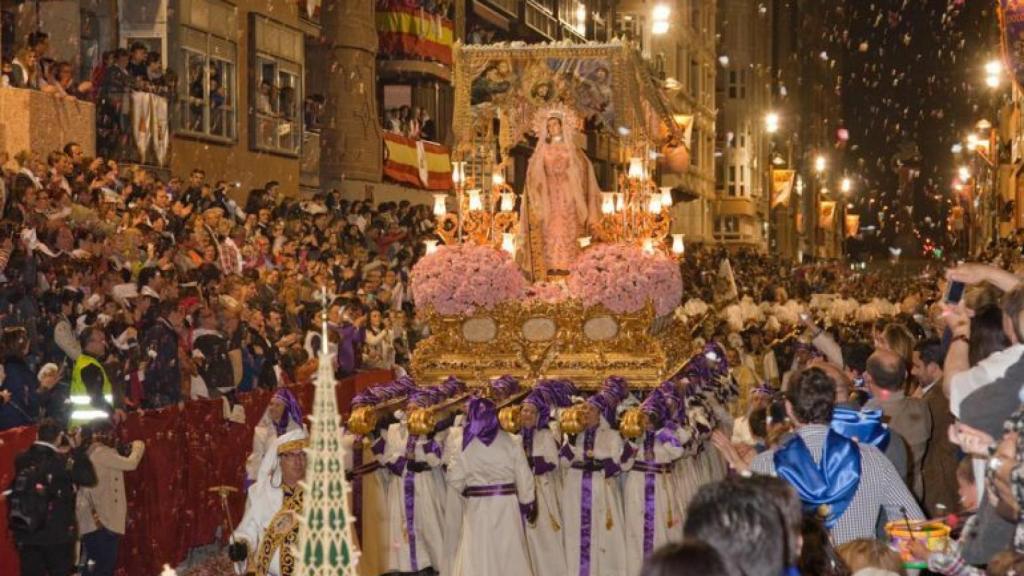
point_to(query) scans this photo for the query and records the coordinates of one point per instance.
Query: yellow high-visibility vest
(82, 410)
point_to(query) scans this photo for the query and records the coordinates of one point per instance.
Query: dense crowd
(181, 292)
(121, 292)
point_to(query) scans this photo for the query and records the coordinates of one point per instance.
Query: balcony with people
(42, 102)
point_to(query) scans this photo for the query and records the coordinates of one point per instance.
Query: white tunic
(428, 511)
(544, 537)
(607, 556)
(493, 542)
(373, 543)
(453, 501)
(667, 518)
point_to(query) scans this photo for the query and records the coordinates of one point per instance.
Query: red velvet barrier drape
(188, 451)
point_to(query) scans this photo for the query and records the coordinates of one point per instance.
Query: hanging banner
(782, 187)
(417, 163)
(852, 225)
(414, 32)
(827, 214)
(1011, 23)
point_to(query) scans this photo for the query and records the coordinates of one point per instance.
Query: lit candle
(440, 208)
(498, 179)
(666, 196)
(431, 246)
(475, 203)
(508, 242)
(654, 204)
(636, 168)
(607, 202)
(620, 201)
(648, 246)
(508, 201)
(678, 248)
(584, 241)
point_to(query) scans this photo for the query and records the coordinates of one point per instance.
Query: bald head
(887, 370)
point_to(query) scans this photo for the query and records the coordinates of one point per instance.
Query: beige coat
(107, 499)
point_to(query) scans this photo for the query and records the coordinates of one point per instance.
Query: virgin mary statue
(561, 196)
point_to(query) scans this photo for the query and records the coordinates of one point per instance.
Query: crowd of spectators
(181, 292)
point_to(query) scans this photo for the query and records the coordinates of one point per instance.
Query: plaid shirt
(881, 488)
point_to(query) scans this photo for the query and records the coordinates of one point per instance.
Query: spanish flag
(414, 33)
(416, 162)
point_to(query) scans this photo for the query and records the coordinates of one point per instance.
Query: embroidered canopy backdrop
(608, 86)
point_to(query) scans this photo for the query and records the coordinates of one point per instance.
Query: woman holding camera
(102, 509)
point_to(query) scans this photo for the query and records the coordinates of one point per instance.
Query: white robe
(428, 509)
(544, 537)
(373, 545)
(262, 504)
(453, 501)
(607, 530)
(666, 512)
(493, 542)
(264, 501)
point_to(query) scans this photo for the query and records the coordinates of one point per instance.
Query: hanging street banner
(782, 187)
(827, 214)
(852, 225)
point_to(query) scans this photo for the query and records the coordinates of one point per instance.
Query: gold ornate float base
(565, 340)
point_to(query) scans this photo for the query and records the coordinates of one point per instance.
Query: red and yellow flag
(418, 163)
(414, 33)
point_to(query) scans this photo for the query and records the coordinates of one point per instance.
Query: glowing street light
(846, 185)
(964, 173)
(993, 73)
(820, 163)
(972, 141)
(771, 122)
(660, 18)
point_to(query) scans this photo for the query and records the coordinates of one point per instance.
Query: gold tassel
(671, 500)
(554, 521)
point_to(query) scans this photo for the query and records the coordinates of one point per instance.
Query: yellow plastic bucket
(934, 534)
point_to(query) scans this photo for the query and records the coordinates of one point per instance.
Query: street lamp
(660, 18)
(964, 173)
(993, 73)
(972, 141)
(771, 122)
(819, 163)
(846, 185)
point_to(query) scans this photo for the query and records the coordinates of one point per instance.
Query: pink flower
(460, 279)
(623, 279)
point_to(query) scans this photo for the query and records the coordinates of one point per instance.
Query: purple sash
(491, 490)
(357, 484)
(586, 501)
(410, 502)
(649, 478)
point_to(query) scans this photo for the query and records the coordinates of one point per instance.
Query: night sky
(913, 74)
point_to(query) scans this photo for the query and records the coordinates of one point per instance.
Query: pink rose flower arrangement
(460, 279)
(623, 279)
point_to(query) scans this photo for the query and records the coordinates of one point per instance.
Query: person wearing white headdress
(267, 535)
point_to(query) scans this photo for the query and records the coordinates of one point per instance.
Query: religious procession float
(538, 272)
